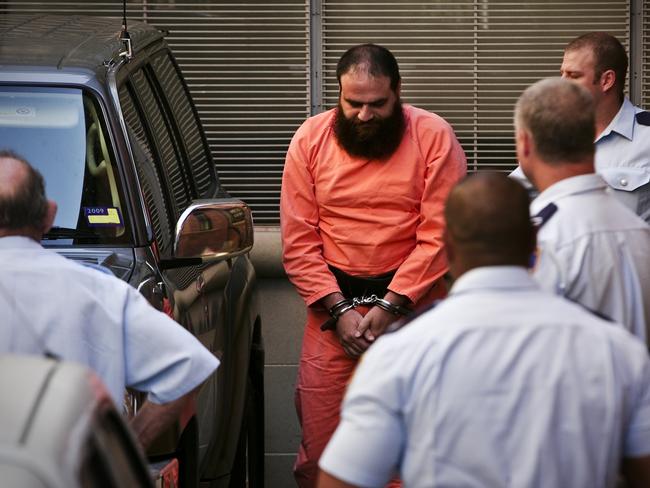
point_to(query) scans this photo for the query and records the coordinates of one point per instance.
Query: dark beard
(378, 138)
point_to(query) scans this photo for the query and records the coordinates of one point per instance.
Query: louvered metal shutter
(247, 66)
(468, 61)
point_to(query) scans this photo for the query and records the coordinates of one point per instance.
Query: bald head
(23, 205)
(488, 223)
(376, 60)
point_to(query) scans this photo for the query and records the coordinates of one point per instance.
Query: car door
(174, 168)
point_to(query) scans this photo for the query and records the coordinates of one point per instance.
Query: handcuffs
(347, 304)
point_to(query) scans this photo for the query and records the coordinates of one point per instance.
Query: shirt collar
(22, 242)
(515, 278)
(567, 187)
(622, 123)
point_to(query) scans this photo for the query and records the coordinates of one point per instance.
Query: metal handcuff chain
(345, 305)
(371, 300)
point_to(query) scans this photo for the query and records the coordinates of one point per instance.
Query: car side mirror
(214, 230)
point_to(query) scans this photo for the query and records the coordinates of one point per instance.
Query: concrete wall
(283, 318)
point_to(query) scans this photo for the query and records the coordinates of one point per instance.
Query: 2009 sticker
(103, 216)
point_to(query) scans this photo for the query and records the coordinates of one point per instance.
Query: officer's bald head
(488, 223)
(24, 208)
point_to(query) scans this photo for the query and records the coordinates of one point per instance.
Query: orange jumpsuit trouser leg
(323, 376)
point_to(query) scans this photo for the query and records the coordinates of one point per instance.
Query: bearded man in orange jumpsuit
(363, 192)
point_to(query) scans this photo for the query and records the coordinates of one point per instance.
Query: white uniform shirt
(499, 385)
(622, 159)
(51, 304)
(595, 251)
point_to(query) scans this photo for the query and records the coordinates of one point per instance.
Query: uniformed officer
(591, 248)
(501, 384)
(598, 62)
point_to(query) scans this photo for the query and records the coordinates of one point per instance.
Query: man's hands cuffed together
(355, 331)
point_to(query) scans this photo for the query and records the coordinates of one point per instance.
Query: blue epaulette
(643, 118)
(543, 216)
(538, 221)
(398, 324)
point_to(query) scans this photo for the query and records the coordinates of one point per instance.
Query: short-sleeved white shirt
(622, 158)
(51, 304)
(595, 251)
(499, 385)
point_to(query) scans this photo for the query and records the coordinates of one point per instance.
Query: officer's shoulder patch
(643, 118)
(543, 215)
(398, 324)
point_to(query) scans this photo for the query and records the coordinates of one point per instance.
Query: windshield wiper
(68, 233)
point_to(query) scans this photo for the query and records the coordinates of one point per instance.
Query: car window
(62, 132)
(196, 148)
(150, 174)
(165, 142)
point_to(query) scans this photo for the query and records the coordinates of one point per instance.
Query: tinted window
(149, 174)
(166, 143)
(62, 132)
(187, 121)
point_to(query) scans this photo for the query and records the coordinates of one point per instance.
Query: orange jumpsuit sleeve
(301, 242)
(445, 166)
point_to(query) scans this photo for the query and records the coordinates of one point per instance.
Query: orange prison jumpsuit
(365, 217)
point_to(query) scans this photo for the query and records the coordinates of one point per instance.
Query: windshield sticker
(103, 216)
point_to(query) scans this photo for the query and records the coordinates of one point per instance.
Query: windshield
(61, 132)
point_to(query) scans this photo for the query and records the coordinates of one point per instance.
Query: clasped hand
(357, 332)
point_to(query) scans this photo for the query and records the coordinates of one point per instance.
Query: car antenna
(125, 37)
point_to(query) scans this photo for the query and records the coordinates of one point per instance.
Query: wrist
(391, 307)
(328, 301)
(396, 298)
(341, 307)
(337, 309)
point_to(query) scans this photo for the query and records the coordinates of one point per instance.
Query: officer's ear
(523, 142)
(50, 214)
(607, 80)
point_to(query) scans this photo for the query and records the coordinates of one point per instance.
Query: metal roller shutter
(468, 61)
(247, 65)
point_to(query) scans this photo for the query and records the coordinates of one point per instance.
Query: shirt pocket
(626, 178)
